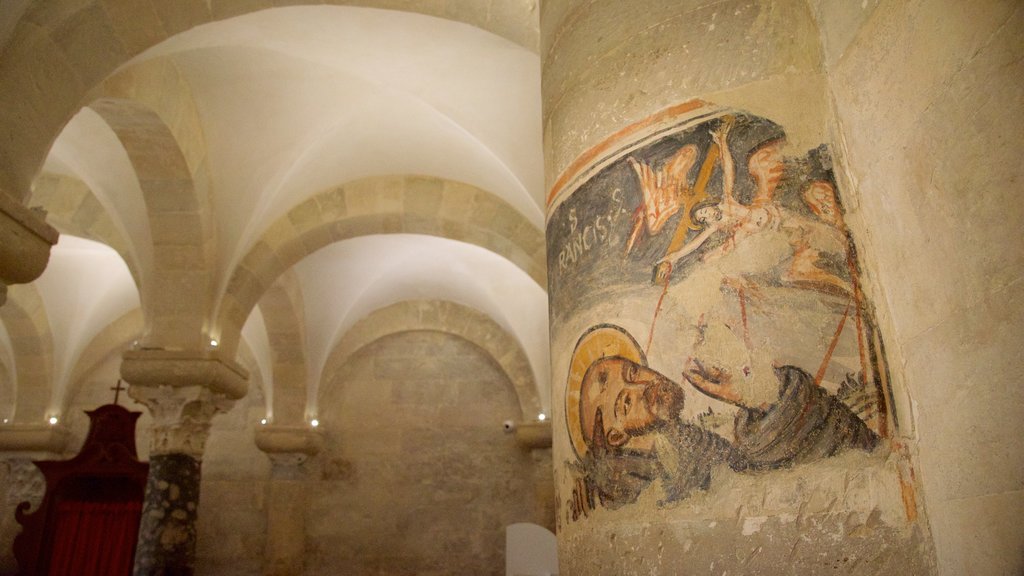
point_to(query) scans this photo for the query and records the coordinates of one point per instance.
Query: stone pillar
(25, 241)
(182, 392)
(288, 448)
(722, 400)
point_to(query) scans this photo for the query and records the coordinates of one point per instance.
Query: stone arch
(60, 49)
(449, 318)
(72, 209)
(181, 232)
(158, 85)
(282, 311)
(379, 205)
(24, 316)
(246, 357)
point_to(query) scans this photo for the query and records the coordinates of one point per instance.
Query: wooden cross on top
(117, 390)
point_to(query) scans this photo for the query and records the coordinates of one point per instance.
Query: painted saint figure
(625, 421)
(630, 410)
(784, 418)
(813, 239)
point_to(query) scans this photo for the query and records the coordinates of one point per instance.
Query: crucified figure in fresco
(738, 221)
(663, 192)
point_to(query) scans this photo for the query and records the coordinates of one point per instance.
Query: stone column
(288, 448)
(183, 392)
(721, 397)
(25, 241)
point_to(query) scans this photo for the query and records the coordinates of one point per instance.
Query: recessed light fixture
(314, 422)
(53, 420)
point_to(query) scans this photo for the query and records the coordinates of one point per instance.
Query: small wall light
(213, 343)
(314, 422)
(53, 420)
(6, 420)
(542, 416)
(263, 421)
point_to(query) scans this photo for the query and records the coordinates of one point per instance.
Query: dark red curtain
(94, 538)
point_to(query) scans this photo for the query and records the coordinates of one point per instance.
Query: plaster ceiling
(345, 282)
(294, 101)
(85, 287)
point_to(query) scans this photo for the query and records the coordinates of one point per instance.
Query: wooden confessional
(88, 521)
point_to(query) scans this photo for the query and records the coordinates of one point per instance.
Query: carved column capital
(181, 416)
(25, 242)
(25, 483)
(288, 446)
(183, 392)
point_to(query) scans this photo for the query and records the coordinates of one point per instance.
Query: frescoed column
(722, 399)
(183, 393)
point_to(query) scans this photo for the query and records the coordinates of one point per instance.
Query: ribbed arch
(283, 311)
(449, 318)
(44, 58)
(379, 205)
(24, 317)
(158, 85)
(72, 208)
(179, 226)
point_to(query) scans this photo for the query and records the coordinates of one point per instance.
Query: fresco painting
(711, 288)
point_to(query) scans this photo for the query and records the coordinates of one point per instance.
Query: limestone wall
(418, 476)
(232, 522)
(928, 99)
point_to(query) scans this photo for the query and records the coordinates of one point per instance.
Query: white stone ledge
(533, 435)
(289, 440)
(180, 369)
(33, 438)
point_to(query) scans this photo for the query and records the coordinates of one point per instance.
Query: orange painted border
(602, 147)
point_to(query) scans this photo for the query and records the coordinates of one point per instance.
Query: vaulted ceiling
(270, 180)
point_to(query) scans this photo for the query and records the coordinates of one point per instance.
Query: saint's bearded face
(632, 399)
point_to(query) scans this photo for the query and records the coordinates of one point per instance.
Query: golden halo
(600, 341)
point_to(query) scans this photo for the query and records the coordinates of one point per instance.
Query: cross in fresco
(117, 390)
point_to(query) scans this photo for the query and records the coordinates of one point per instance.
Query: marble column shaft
(183, 392)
